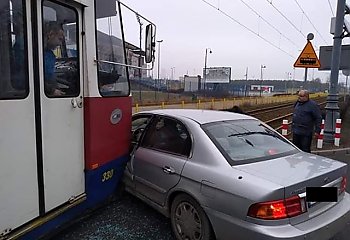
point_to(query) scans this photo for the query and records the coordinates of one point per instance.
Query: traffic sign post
(308, 58)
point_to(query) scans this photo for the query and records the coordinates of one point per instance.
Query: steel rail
(283, 116)
(257, 111)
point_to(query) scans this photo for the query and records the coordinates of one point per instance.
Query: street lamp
(155, 83)
(246, 82)
(205, 67)
(172, 73)
(172, 78)
(261, 75)
(289, 74)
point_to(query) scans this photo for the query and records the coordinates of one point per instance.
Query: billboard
(217, 75)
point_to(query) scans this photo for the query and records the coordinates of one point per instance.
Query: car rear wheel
(188, 220)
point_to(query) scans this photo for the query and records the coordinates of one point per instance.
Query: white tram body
(65, 109)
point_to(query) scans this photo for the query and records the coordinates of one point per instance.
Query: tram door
(19, 201)
(41, 110)
(61, 101)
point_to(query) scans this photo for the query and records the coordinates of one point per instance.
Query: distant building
(264, 88)
(132, 58)
(192, 83)
(112, 50)
(174, 85)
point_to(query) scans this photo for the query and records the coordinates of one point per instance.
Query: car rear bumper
(321, 227)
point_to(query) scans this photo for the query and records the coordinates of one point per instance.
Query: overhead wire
(287, 19)
(247, 28)
(330, 6)
(302, 10)
(268, 23)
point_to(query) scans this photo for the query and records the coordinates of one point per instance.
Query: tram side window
(61, 56)
(13, 50)
(112, 78)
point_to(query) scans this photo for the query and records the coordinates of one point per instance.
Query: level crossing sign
(308, 58)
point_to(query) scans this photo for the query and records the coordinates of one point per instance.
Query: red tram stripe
(105, 141)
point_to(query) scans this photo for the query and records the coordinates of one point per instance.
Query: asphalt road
(128, 218)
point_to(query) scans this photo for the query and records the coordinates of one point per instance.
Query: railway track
(274, 115)
(264, 110)
(268, 109)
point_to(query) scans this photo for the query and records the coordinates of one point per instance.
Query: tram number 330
(107, 175)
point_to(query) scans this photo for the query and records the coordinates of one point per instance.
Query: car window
(247, 140)
(168, 135)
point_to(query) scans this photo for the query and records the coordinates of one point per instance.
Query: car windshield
(246, 141)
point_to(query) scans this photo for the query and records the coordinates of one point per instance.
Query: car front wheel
(188, 219)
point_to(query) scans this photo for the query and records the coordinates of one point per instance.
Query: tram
(65, 107)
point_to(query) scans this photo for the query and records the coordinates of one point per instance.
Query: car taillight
(274, 210)
(343, 184)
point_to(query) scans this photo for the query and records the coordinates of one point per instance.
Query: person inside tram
(53, 37)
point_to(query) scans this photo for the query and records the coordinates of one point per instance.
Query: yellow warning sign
(308, 58)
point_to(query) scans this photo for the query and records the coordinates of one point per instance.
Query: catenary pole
(155, 85)
(332, 108)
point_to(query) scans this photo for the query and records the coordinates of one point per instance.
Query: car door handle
(168, 170)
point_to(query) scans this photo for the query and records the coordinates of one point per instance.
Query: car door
(160, 157)
(138, 126)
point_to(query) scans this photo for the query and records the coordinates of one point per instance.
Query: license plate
(321, 194)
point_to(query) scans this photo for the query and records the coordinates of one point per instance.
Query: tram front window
(61, 65)
(13, 50)
(112, 78)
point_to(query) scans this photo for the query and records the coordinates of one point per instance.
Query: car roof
(200, 116)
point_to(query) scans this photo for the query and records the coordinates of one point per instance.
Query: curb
(347, 150)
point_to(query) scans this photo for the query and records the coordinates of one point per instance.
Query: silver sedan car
(222, 175)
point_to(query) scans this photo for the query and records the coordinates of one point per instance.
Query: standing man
(306, 121)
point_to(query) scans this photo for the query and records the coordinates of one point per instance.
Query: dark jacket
(49, 71)
(306, 118)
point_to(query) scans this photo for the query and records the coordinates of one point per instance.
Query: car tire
(188, 220)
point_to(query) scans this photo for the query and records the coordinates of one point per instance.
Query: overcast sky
(188, 27)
